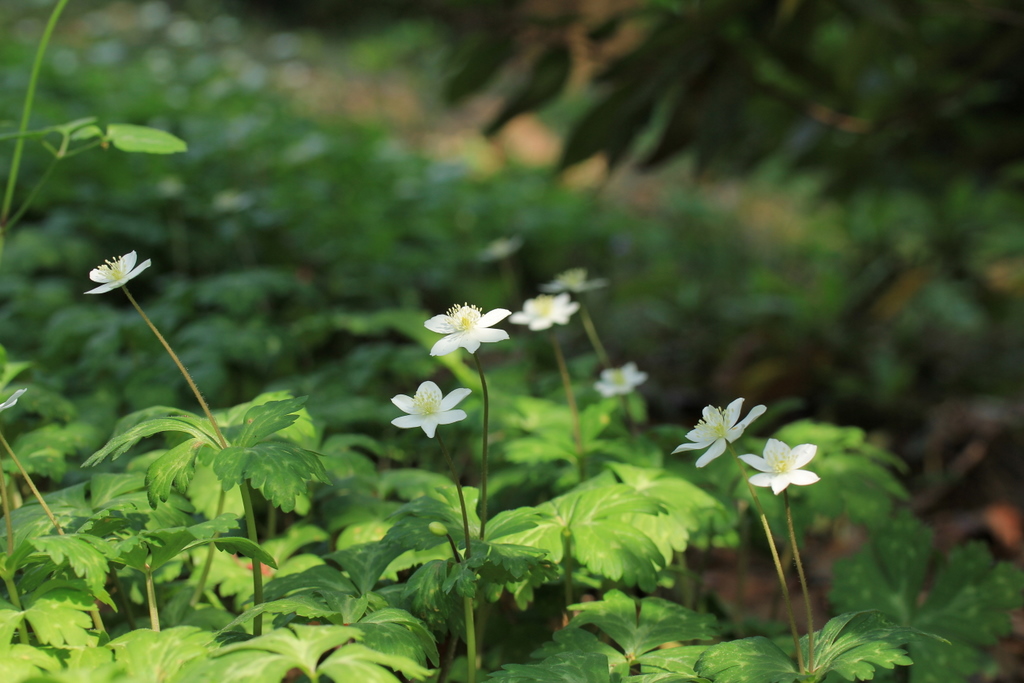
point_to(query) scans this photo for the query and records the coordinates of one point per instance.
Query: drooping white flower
(429, 408)
(501, 248)
(466, 326)
(116, 272)
(12, 400)
(781, 465)
(545, 310)
(718, 428)
(620, 381)
(573, 280)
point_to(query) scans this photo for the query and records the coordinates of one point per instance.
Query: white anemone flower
(429, 408)
(544, 311)
(573, 280)
(12, 400)
(620, 381)
(717, 428)
(116, 273)
(781, 465)
(466, 326)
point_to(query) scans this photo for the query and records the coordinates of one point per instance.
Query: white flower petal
(13, 399)
(445, 345)
(440, 324)
(757, 462)
(142, 266)
(404, 403)
(104, 288)
(408, 421)
(538, 324)
(488, 335)
(453, 399)
(128, 260)
(429, 426)
(493, 317)
(780, 482)
(732, 412)
(803, 454)
(717, 448)
(450, 416)
(761, 479)
(755, 412)
(689, 447)
(803, 477)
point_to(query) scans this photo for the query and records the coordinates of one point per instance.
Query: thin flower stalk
(483, 446)
(570, 397)
(775, 557)
(246, 488)
(31, 485)
(803, 582)
(595, 340)
(458, 489)
(154, 612)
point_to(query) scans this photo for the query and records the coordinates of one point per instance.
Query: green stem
(154, 614)
(803, 583)
(12, 588)
(775, 557)
(567, 567)
(483, 446)
(246, 488)
(257, 567)
(563, 370)
(458, 488)
(210, 550)
(31, 485)
(26, 112)
(181, 368)
(126, 604)
(467, 604)
(595, 341)
(31, 197)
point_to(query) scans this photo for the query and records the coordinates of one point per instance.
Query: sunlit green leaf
(131, 138)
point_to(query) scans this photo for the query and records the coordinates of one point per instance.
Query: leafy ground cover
(292, 530)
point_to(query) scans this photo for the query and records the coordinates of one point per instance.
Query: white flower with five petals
(620, 381)
(466, 326)
(116, 272)
(781, 465)
(718, 428)
(429, 408)
(544, 311)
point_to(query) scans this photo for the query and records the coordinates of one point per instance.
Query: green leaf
(365, 563)
(968, 602)
(185, 422)
(280, 471)
(411, 530)
(854, 644)
(131, 138)
(43, 450)
(587, 667)
(546, 80)
(501, 563)
(83, 555)
(657, 622)
(175, 468)
(427, 600)
(58, 617)
(396, 632)
(479, 58)
(158, 656)
(269, 418)
(750, 660)
(367, 666)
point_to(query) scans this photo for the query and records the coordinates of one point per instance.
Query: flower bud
(438, 529)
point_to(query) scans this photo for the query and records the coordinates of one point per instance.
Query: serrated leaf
(158, 656)
(657, 622)
(854, 644)
(365, 563)
(269, 418)
(749, 660)
(396, 632)
(82, 555)
(411, 530)
(43, 450)
(58, 617)
(587, 667)
(192, 425)
(367, 666)
(968, 602)
(322, 578)
(175, 468)
(427, 600)
(502, 563)
(131, 138)
(280, 471)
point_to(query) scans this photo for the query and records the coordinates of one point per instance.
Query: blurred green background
(812, 205)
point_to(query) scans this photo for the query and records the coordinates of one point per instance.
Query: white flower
(544, 311)
(116, 273)
(428, 408)
(573, 280)
(12, 400)
(466, 326)
(717, 428)
(620, 381)
(781, 465)
(501, 248)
